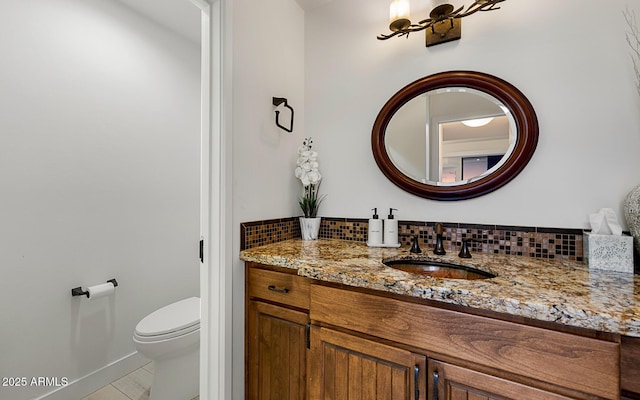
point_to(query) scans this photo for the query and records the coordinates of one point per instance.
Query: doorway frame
(215, 200)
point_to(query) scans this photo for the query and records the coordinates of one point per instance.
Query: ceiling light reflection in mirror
(450, 136)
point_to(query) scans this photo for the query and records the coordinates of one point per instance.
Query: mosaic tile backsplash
(544, 243)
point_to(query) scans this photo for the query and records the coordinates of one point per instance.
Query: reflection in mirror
(450, 136)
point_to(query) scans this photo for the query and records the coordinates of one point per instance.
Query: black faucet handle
(415, 247)
(464, 250)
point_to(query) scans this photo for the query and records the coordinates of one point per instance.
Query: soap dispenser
(375, 229)
(391, 229)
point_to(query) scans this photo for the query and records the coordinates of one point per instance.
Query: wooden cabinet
(630, 367)
(277, 327)
(347, 367)
(451, 382)
(277, 359)
(312, 341)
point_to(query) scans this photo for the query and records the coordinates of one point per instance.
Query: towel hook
(276, 102)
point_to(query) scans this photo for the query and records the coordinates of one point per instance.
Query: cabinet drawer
(279, 287)
(579, 363)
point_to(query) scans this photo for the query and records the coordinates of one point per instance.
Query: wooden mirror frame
(521, 109)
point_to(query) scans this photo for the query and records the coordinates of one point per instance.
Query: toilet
(170, 337)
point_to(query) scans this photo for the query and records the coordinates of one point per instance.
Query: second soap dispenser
(391, 229)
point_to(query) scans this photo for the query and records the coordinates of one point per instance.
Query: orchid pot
(310, 228)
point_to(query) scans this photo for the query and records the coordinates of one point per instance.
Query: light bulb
(399, 15)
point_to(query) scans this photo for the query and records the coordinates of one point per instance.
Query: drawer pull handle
(275, 289)
(416, 382)
(435, 384)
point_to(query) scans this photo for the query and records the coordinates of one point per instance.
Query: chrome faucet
(439, 249)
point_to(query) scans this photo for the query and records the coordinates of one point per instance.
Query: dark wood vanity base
(307, 339)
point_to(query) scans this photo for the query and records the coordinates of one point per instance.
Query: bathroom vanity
(328, 319)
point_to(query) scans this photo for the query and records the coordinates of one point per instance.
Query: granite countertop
(564, 292)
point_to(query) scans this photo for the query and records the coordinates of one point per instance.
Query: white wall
(268, 61)
(99, 179)
(567, 57)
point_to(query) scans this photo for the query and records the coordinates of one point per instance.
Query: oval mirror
(454, 135)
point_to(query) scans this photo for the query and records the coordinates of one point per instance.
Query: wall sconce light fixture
(443, 24)
(276, 102)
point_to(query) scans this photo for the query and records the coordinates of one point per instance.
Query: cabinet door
(451, 382)
(276, 353)
(346, 367)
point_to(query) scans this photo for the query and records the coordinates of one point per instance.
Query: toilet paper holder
(79, 292)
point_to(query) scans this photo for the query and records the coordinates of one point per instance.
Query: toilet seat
(177, 319)
(170, 335)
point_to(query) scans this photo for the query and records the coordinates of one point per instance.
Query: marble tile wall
(537, 242)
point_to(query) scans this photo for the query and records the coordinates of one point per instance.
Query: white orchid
(314, 177)
(308, 171)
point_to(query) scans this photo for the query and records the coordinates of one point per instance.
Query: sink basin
(438, 269)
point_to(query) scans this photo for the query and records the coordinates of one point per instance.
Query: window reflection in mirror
(450, 136)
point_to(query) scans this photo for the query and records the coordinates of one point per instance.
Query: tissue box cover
(609, 252)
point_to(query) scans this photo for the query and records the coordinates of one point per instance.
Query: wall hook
(276, 102)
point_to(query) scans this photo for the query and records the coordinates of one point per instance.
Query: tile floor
(134, 386)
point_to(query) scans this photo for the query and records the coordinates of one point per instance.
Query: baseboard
(89, 383)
